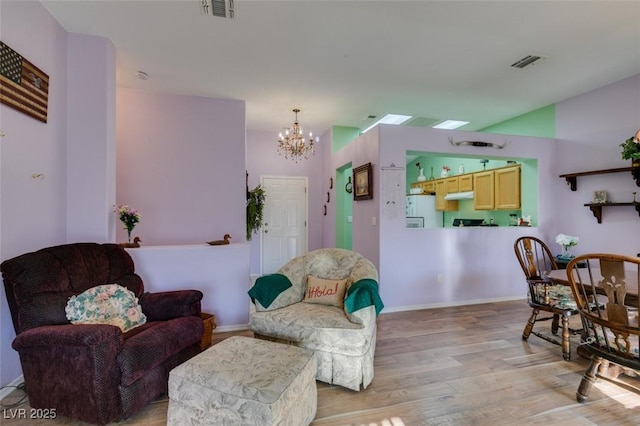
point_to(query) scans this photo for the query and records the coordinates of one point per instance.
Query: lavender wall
(91, 142)
(591, 126)
(263, 160)
(180, 162)
(474, 264)
(33, 212)
(366, 213)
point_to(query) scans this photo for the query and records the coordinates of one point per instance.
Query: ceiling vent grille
(526, 61)
(220, 8)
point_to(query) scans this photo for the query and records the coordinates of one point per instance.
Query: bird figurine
(222, 242)
(134, 244)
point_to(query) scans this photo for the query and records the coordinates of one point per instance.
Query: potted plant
(255, 209)
(631, 149)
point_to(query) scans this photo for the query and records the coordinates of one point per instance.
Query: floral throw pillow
(106, 304)
(325, 292)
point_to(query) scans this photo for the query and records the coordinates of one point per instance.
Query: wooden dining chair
(606, 292)
(535, 259)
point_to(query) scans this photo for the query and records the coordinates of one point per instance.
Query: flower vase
(566, 253)
(421, 176)
(129, 235)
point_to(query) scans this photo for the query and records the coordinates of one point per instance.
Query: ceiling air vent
(220, 8)
(526, 61)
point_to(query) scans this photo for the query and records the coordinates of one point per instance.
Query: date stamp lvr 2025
(29, 413)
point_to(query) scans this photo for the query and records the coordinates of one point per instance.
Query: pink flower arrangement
(447, 168)
(129, 217)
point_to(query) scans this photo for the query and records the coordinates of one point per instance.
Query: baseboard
(448, 304)
(7, 389)
(225, 328)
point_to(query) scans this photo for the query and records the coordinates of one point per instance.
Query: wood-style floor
(465, 365)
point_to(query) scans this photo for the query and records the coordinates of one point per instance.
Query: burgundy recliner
(94, 373)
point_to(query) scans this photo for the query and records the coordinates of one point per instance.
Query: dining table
(560, 276)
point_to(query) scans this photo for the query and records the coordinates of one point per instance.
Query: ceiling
(342, 61)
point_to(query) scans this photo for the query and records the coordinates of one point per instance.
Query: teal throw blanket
(268, 287)
(361, 294)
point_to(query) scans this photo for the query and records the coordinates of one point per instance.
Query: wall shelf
(572, 178)
(596, 209)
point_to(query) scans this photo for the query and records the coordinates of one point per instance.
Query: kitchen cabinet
(507, 188)
(441, 191)
(483, 190)
(452, 184)
(465, 182)
(428, 187)
(497, 189)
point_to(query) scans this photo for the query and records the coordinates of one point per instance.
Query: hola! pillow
(325, 292)
(110, 304)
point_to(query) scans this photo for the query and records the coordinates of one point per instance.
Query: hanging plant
(255, 210)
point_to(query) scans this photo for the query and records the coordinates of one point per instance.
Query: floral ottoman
(244, 381)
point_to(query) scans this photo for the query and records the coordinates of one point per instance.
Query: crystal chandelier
(292, 144)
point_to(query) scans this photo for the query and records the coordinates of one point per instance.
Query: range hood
(467, 195)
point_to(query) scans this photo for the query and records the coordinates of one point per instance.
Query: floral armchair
(341, 332)
(94, 372)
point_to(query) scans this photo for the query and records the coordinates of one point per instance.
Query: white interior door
(284, 229)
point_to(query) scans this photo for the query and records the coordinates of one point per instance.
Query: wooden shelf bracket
(596, 209)
(572, 178)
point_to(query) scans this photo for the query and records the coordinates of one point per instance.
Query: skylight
(450, 124)
(389, 119)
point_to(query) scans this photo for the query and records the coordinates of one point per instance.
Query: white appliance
(421, 210)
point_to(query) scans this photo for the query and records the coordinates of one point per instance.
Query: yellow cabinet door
(465, 183)
(428, 187)
(452, 184)
(507, 188)
(484, 195)
(441, 191)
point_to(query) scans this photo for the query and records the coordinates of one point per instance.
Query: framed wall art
(599, 197)
(363, 178)
(23, 86)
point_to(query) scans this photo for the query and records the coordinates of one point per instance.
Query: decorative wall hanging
(349, 186)
(331, 183)
(478, 143)
(363, 178)
(255, 210)
(328, 197)
(393, 178)
(23, 86)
